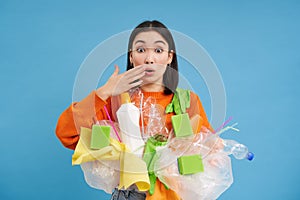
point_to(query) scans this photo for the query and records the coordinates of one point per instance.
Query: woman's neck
(152, 88)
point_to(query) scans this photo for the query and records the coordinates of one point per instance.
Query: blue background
(43, 43)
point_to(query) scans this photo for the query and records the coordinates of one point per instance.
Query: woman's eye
(159, 50)
(140, 50)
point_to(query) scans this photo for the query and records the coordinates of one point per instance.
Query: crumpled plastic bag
(102, 174)
(210, 184)
(153, 114)
(112, 166)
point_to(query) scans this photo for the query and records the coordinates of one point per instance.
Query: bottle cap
(250, 156)
(125, 98)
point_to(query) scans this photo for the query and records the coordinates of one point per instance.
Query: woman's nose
(149, 59)
(149, 62)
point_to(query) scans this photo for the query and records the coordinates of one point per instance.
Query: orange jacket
(86, 112)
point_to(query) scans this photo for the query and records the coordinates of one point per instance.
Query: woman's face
(152, 50)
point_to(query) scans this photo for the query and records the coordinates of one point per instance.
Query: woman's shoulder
(193, 94)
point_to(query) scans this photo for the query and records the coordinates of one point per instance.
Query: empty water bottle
(239, 151)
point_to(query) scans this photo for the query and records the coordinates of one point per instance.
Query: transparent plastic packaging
(152, 115)
(210, 184)
(239, 151)
(103, 174)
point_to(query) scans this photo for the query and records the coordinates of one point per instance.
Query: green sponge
(190, 164)
(100, 136)
(182, 125)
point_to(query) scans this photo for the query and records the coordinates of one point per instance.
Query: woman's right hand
(120, 83)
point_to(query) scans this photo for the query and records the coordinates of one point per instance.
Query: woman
(152, 70)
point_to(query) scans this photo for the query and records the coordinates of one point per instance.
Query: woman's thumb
(116, 72)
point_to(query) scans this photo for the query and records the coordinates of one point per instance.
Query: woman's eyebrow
(142, 41)
(159, 41)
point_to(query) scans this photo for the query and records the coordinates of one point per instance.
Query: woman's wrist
(102, 93)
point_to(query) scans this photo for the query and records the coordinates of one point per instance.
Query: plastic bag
(211, 183)
(152, 115)
(103, 174)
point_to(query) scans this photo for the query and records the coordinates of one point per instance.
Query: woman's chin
(150, 80)
(152, 86)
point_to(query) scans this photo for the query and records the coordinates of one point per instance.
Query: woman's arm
(80, 114)
(86, 112)
(196, 108)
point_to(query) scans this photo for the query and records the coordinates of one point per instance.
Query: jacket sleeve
(80, 114)
(196, 108)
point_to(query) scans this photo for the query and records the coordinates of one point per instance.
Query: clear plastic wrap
(103, 174)
(211, 183)
(152, 115)
(155, 118)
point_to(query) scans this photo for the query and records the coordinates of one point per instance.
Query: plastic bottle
(128, 117)
(239, 151)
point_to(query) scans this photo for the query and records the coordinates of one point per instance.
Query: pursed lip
(149, 69)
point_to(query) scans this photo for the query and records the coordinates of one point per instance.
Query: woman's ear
(130, 57)
(170, 57)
